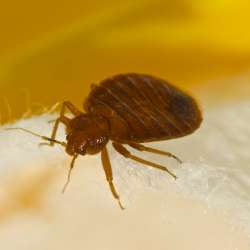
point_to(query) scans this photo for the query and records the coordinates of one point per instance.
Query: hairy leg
(69, 173)
(109, 176)
(123, 151)
(153, 150)
(63, 119)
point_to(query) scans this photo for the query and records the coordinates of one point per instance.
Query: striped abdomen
(143, 108)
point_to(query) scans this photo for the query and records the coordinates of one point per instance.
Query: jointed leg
(108, 172)
(63, 118)
(123, 151)
(153, 150)
(69, 173)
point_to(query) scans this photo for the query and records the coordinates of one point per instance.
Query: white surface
(208, 207)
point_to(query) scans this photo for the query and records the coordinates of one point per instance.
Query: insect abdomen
(145, 108)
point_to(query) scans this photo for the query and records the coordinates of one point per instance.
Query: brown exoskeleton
(126, 109)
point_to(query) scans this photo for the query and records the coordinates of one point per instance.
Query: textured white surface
(222, 176)
(208, 207)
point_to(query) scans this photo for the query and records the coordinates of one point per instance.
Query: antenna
(40, 136)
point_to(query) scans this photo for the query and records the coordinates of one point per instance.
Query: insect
(127, 109)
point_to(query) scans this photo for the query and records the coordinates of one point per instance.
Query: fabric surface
(207, 207)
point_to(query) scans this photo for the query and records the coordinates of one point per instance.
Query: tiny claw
(120, 205)
(178, 159)
(170, 173)
(173, 175)
(65, 187)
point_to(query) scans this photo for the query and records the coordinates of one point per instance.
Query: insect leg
(63, 119)
(123, 151)
(69, 173)
(109, 176)
(72, 108)
(153, 150)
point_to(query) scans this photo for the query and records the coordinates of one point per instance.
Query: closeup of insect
(127, 109)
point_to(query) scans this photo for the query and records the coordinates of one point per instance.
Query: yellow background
(53, 50)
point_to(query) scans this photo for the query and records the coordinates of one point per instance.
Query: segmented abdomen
(144, 108)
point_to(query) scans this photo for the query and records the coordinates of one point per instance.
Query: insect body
(127, 109)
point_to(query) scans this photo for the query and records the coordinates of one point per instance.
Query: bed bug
(127, 109)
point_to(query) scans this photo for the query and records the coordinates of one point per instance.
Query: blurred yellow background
(53, 50)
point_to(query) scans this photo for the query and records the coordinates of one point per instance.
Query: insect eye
(68, 136)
